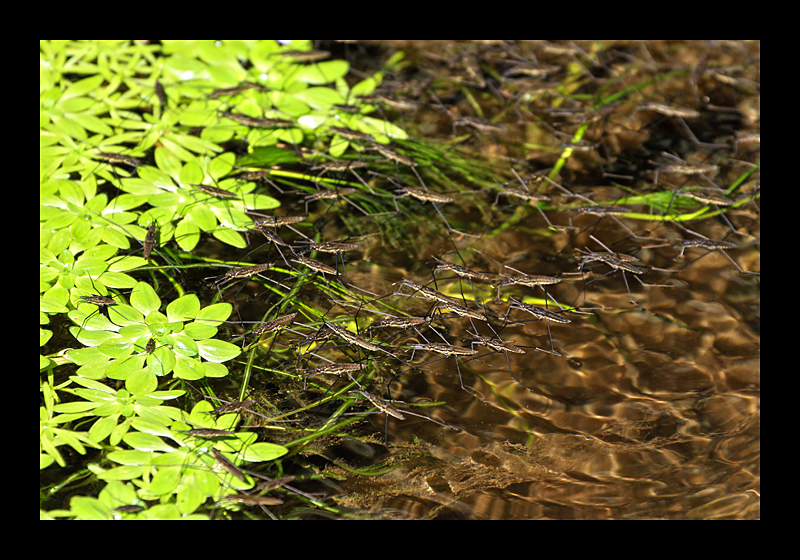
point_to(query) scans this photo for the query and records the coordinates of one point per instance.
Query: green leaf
(215, 313)
(217, 350)
(230, 237)
(146, 442)
(165, 481)
(168, 162)
(188, 368)
(321, 97)
(101, 429)
(263, 452)
(144, 298)
(152, 428)
(184, 308)
(124, 368)
(323, 72)
(191, 174)
(131, 457)
(89, 508)
(141, 383)
(199, 331)
(215, 370)
(187, 234)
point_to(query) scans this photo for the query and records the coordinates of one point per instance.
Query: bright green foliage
(100, 98)
(174, 461)
(170, 189)
(184, 343)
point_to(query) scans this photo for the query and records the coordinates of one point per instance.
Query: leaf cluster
(134, 135)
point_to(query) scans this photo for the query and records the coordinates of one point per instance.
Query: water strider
(399, 322)
(102, 303)
(209, 433)
(464, 311)
(233, 407)
(392, 154)
(669, 110)
(334, 194)
(706, 196)
(427, 293)
(242, 272)
(713, 246)
(278, 221)
(253, 500)
(540, 314)
(316, 266)
(112, 157)
(353, 338)
(304, 56)
(351, 134)
(705, 244)
(382, 405)
(226, 464)
(524, 193)
(258, 122)
(335, 369)
(459, 269)
(216, 191)
(149, 240)
(423, 195)
(337, 166)
(331, 247)
(231, 91)
(273, 325)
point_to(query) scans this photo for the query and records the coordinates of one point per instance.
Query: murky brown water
(652, 410)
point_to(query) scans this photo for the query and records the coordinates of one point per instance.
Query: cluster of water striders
(486, 300)
(490, 299)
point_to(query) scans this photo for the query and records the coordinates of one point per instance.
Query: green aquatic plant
(184, 342)
(137, 143)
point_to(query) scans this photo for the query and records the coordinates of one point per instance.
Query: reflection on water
(645, 405)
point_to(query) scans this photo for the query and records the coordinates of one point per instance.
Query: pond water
(647, 403)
